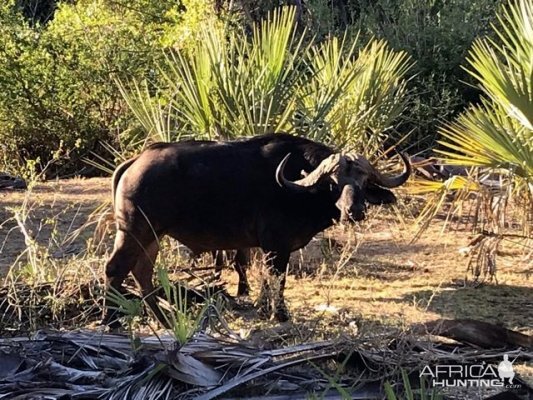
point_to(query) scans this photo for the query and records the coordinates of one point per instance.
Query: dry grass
(57, 209)
(367, 280)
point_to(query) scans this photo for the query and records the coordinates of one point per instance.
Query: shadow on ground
(507, 305)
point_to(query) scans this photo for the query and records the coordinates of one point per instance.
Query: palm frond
(87, 364)
(495, 138)
(505, 68)
(155, 117)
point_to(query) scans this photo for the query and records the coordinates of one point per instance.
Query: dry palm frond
(89, 364)
(485, 203)
(105, 365)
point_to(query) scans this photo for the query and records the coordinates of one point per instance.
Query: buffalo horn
(394, 181)
(326, 168)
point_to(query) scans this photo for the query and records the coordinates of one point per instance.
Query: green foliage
(183, 319)
(437, 34)
(496, 136)
(227, 85)
(229, 76)
(365, 94)
(57, 87)
(498, 133)
(54, 90)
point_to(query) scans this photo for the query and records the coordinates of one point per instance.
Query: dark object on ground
(236, 195)
(477, 333)
(11, 182)
(427, 168)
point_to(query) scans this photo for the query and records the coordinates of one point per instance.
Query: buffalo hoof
(282, 314)
(243, 290)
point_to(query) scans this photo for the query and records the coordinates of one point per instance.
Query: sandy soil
(51, 211)
(378, 280)
(380, 275)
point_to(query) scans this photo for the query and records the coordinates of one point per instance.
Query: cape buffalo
(274, 191)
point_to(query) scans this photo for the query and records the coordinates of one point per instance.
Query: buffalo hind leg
(273, 304)
(143, 273)
(240, 262)
(122, 260)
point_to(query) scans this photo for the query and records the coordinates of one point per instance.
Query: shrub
(437, 35)
(57, 87)
(495, 137)
(226, 85)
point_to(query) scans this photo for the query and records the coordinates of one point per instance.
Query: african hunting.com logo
(472, 375)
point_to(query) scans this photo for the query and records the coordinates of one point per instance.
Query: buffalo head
(351, 178)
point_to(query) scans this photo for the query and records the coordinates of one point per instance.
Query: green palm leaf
(496, 136)
(499, 132)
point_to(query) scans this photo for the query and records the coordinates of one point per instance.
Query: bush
(437, 34)
(228, 85)
(57, 87)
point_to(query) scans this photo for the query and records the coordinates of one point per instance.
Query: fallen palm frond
(95, 364)
(90, 364)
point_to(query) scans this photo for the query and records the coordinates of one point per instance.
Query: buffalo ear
(376, 195)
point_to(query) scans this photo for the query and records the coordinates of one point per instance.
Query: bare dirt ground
(376, 281)
(53, 209)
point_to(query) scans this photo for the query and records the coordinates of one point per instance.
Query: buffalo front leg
(242, 260)
(271, 300)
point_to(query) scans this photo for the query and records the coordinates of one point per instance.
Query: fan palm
(231, 84)
(499, 133)
(495, 137)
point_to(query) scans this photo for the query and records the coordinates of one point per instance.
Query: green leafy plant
(437, 35)
(498, 133)
(128, 309)
(351, 100)
(229, 85)
(183, 319)
(495, 138)
(57, 84)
